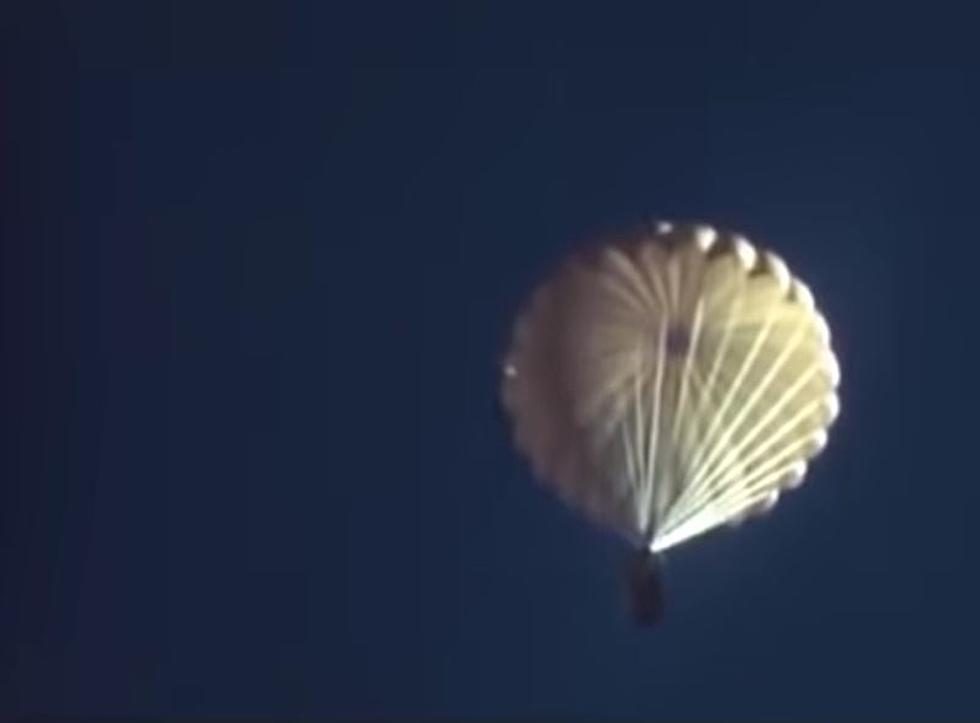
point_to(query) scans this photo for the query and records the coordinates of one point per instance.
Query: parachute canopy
(671, 381)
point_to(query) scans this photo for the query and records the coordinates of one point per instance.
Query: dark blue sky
(258, 270)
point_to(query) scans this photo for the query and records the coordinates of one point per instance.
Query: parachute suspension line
(706, 399)
(726, 471)
(630, 287)
(789, 449)
(641, 425)
(763, 479)
(674, 282)
(714, 437)
(687, 432)
(654, 461)
(687, 371)
(694, 524)
(690, 426)
(724, 453)
(696, 326)
(634, 461)
(781, 431)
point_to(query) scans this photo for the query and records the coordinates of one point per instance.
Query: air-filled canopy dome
(671, 381)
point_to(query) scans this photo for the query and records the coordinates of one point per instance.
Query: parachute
(670, 381)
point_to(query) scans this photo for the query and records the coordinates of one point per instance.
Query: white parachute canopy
(670, 382)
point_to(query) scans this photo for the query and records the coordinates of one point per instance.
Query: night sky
(259, 266)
